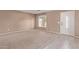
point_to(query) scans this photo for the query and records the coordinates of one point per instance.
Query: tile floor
(36, 39)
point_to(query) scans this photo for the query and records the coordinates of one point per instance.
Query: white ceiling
(35, 11)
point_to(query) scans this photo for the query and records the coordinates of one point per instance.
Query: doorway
(67, 22)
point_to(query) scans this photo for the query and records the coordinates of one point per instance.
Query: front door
(67, 22)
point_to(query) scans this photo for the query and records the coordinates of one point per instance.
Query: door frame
(73, 24)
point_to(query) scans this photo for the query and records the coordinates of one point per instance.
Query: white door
(67, 20)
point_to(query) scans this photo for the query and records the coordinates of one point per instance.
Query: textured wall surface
(77, 23)
(11, 21)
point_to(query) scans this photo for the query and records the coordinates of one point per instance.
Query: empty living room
(39, 29)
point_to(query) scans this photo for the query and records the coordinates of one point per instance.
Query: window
(67, 22)
(42, 21)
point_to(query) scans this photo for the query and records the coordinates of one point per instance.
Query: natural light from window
(42, 21)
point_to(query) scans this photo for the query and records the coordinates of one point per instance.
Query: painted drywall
(11, 21)
(77, 23)
(52, 21)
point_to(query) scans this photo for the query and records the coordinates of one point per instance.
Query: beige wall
(11, 21)
(77, 24)
(52, 21)
(53, 18)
